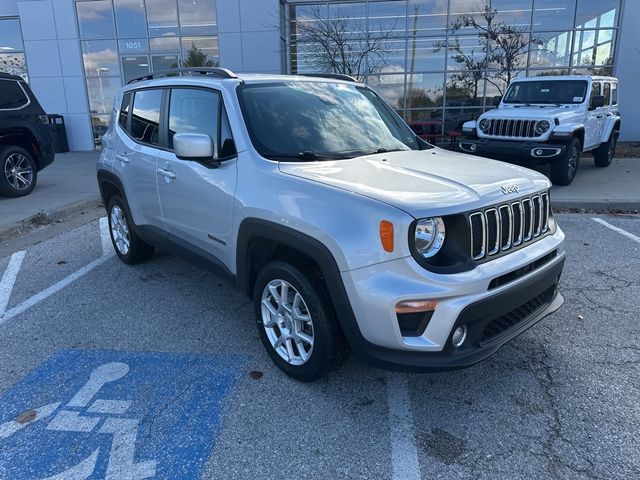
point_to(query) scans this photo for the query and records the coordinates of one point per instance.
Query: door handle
(609, 114)
(599, 116)
(122, 157)
(166, 173)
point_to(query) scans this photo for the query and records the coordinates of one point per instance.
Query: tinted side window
(11, 95)
(595, 89)
(614, 93)
(607, 93)
(193, 111)
(145, 118)
(124, 110)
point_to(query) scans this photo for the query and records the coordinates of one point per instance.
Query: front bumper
(492, 316)
(517, 151)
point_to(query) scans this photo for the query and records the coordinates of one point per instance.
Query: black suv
(26, 145)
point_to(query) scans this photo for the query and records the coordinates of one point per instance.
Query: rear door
(136, 154)
(197, 198)
(595, 118)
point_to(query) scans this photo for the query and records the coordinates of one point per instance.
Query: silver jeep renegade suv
(312, 195)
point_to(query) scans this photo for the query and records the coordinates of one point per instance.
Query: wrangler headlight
(542, 126)
(484, 124)
(429, 236)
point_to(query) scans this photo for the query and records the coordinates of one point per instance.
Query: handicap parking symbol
(114, 415)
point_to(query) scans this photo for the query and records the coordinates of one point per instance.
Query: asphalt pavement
(157, 371)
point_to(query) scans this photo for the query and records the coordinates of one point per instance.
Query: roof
(8, 76)
(564, 77)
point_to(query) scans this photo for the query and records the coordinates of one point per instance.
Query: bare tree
(340, 44)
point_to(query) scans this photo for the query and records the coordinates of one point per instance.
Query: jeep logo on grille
(506, 189)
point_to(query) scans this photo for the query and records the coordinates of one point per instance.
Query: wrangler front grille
(502, 228)
(501, 127)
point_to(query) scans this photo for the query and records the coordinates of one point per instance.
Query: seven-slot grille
(507, 226)
(502, 127)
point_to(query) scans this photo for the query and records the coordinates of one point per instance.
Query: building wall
(627, 69)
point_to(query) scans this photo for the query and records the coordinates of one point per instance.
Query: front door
(197, 198)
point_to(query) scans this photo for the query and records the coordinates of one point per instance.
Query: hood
(425, 182)
(532, 113)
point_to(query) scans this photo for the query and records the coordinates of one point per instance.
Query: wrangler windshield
(547, 91)
(309, 121)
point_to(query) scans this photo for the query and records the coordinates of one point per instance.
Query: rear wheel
(129, 247)
(18, 172)
(296, 323)
(604, 153)
(563, 169)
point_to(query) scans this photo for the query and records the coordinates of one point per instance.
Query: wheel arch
(23, 139)
(109, 185)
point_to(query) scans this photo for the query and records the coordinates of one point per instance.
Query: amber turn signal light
(386, 235)
(414, 306)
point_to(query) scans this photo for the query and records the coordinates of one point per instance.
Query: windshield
(547, 91)
(320, 121)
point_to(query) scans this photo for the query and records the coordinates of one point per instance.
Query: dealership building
(419, 54)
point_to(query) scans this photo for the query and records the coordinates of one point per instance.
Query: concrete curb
(597, 205)
(53, 214)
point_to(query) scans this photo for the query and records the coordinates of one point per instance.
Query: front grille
(502, 228)
(509, 320)
(517, 128)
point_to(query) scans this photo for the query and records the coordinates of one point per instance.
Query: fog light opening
(473, 147)
(539, 152)
(459, 336)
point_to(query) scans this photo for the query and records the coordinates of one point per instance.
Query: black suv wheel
(563, 169)
(18, 172)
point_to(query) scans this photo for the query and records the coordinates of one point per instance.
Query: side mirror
(596, 102)
(194, 146)
(496, 100)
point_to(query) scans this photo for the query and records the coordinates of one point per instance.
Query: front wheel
(564, 168)
(296, 323)
(603, 155)
(129, 247)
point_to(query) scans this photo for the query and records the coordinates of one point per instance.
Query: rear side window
(145, 116)
(12, 95)
(607, 93)
(194, 111)
(596, 89)
(614, 94)
(124, 111)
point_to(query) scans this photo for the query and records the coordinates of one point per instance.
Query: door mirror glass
(194, 146)
(596, 101)
(496, 100)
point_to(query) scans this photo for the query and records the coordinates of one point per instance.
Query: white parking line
(404, 454)
(105, 238)
(616, 229)
(9, 279)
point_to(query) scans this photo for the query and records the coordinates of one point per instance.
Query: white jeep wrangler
(550, 120)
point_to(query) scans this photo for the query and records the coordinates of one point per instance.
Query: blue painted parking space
(114, 415)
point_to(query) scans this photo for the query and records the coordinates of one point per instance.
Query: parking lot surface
(157, 371)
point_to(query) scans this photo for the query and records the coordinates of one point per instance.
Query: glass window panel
(516, 13)
(145, 117)
(597, 13)
(593, 47)
(424, 90)
(554, 51)
(607, 93)
(464, 89)
(390, 57)
(427, 18)
(465, 8)
(200, 52)
(13, 63)
(162, 18)
(426, 123)
(135, 67)
(605, 71)
(130, 18)
(99, 125)
(465, 52)
(304, 18)
(548, 72)
(164, 62)
(553, 14)
(101, 92)
(193, 111)
(10, 35)
(100, 58)
(351, 17)
(165, 44)
(426, 54)
(197, 17)
(497, 85)
(389, 87)
(387, 19)
(614, 93)
(133, 45)
(95, 19)
(454, 118)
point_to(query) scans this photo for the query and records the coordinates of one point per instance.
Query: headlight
(429, 236)
(484, 124)
(542, 126)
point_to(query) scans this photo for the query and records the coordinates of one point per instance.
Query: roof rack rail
(213, 71)
(10, 76)
(336, 76)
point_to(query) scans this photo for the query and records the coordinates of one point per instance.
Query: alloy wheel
(287, 322)
(573, 161)
(18, 171)
(119, 230)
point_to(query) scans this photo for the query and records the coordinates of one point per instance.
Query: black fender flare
(105, 176)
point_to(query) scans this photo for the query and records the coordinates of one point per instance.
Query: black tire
(564, 168)
(329, 347)
(138, 250)
(603, 155)
(12, 184)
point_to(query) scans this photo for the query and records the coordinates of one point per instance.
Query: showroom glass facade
(12, 48)
(125, 39)
(431, 59)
